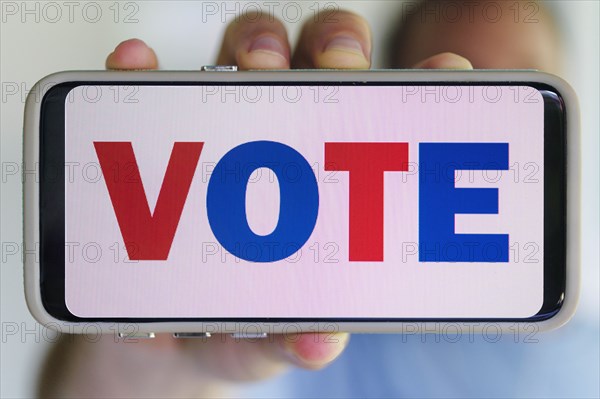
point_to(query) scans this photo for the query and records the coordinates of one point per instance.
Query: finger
(341, 40)
(227, 358)
(506, 42)
(444, 61)
(314, 351)
(255, 41)
(132, 54)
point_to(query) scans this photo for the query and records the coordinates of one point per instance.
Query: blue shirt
(561, 363)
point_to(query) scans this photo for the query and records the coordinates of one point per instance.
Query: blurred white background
(36, 41)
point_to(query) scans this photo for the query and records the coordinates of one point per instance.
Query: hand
(188, 367)
(263, 44)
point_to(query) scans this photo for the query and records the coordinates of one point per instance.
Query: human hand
(262, 43)
(166, 366)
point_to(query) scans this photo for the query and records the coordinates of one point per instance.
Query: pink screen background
(319, 281)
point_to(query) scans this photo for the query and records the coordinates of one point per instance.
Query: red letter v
(147, 236)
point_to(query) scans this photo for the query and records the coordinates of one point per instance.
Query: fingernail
(346, 44)
(269, 45)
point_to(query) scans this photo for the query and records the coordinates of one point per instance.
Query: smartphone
(265, 202)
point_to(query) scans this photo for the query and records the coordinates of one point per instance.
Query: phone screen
(351, 201)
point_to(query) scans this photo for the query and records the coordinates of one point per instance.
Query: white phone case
(243, 328)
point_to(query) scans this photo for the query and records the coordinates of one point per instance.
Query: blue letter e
(440, 201)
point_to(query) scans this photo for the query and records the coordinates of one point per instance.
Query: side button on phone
(219, 68)
(191, 335)
(248, 335)
(137, 335)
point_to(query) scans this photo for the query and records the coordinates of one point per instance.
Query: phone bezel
(51, 231)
